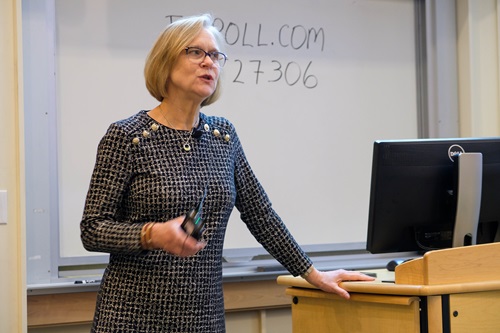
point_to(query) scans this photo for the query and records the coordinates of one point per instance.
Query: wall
(478, 63)
(12, 263)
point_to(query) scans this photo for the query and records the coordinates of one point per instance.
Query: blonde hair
(167, 49)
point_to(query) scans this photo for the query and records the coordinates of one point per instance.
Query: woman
(155, 167)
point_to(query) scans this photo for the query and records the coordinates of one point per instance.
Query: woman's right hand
(170, 237)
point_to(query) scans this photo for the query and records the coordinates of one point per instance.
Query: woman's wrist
(146, 236)
(307, 273)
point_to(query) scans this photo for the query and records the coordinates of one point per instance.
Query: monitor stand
(470, 174)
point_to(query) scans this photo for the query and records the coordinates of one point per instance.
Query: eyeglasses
(196, 55)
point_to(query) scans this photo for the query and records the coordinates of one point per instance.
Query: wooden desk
(78, 307)
(468, 307)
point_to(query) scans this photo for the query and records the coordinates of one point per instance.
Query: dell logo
(455, 150)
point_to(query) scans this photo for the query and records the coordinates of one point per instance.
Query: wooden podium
(452, 290)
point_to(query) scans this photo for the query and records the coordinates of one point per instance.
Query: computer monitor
(413, 195)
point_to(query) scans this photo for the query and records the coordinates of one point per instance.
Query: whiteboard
(309, 86)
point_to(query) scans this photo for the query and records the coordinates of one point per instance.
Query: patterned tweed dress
(142, 174)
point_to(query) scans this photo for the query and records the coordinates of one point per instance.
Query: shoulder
(220, 123)
(126, 130)
(132, 124)
(225, 131)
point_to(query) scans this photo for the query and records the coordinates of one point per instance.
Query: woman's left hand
(329, 281)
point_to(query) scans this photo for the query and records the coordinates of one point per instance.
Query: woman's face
(195, 80)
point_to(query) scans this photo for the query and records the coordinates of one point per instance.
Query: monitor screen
(413, 193)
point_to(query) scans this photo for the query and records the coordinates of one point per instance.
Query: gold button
(206, 127)
(145, 134)
(216, 132)
(135, 141)
(155, 127)
(227, 137)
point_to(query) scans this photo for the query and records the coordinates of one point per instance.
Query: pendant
(187, 147)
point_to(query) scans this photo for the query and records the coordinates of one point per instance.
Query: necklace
(186, 145)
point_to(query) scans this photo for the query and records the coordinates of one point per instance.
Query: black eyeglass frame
(214, 56)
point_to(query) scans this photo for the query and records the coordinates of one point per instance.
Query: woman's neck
(181, 117)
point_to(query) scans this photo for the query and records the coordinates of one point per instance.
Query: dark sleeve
(263, 222)
(102, 229)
